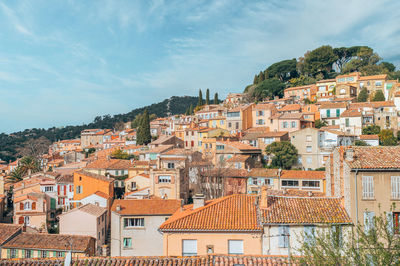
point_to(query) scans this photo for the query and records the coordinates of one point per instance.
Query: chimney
(264, 197)
(198, 201)
(350, 154)
(309, 193)
(118, 208)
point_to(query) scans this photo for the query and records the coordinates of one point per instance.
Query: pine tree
(216, 101)
(207, 97)
(143, 136)
(187, 111)
(363, 95)
(261, 77)
(255, 80)
(191, 109)
(378, 97)
(200, 103)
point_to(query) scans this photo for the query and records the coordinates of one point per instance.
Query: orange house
(86, 184)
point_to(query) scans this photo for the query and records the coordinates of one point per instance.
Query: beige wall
(141, 182)
(172, 242)
(171, 189)
(300, 140)
(37, 253)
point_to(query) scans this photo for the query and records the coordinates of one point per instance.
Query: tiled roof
(383, 76)
(231, 213)
(371, 104)
(109, 164)
(295, 193)
(177, 151)
(379, 157)
(238, 158)
(304, 210)
(65, 179)
(238, 145)
(369, 137)
(332, 105)
(263, 172)
(102, 194)
(351, 113)
(162, 139)
(92, 209)
(211, 260)
(159, 149)
(299, 87)
(290, 107)
(146, 206)
(50, 242)
(227, 172)
(7, 231)
(291, 116)
(300, 174)
(96, 176)
(264, 106)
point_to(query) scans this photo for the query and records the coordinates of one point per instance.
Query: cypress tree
(200, 103)
(143, 136)
(363, 95)
(191, 109)
(378, 97)
(261, 77)
(187, 111)
(216, 101)
(255, 80)
(207, 97)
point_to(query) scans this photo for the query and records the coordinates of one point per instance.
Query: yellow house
(217, 122)
(210, 133)
(203, 228)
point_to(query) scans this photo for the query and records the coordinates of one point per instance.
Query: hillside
(10, 143)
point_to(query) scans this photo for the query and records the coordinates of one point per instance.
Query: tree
(284, 154)
(320, 123)
(344, 55)
(143, 135)
(120, 154)
(319, 61)
(200, 103)
(119, 126)
(283, 70)
(387, 138)
(35, 147)
(378, 97)
(261, 77)
(371, 130)
(363, 96)
(136, 121)
(354, 246)
(16, 175)
(29, 165)
(255, 80)
(191, 109)
(269, 88)
(360, 143)
(207, 97)
(216, 101)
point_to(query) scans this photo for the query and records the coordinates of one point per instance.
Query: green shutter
(48, 254)
(52, 204)
(8, 253)
(328, 113)
(63, 254)
(23, 253)
(54, 253)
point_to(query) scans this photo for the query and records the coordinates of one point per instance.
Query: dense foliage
(387, 138)
(371, 130)
(284, 154)
(10, 143)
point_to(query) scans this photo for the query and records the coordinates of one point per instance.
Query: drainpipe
(356, 203)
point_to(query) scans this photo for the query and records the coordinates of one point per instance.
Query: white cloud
(15, 21)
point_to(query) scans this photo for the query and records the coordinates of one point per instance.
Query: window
(368, 221)
(171, 165)
(48, 189)
(290, 183)
(283, 236)
(333, 122)
(260, 113)
(28, 253)
(268, 140)
(328, 113)
(285, 124)
(229, 124)
(233, 114)
(378, 83)
(309, 159)
(78, 189)
(134, 222)
(235, 247)
(311, 184)
(337, 235)
(309, 234)
(26, 220)
(43, 254)
(396, 222)
(127, 242)
(13, 253)
(189, 247)
(260, 122)
(395, 185)
(220, 147)
(308, 138)
(164, 179)
(60, 254)
(309, 148)
(27, 206)
(293, 124)
(237, 125)
(347, 122)
(210, 249)
(337, 112)
(361, 84)
(368, 187)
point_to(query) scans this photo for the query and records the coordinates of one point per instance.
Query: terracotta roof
(99, 177)
(333, 105)
(351, 113)
(65, 179)
(264, 106)
(291, 116)
(8, 230)
(109, 164)
(146, 206)
(263, 172)
(304, 210)
(90, 209)
(231, 213)
(162, 139)
(300, 174)
(177, 151)
(379, 157)
(160, 149)
(383, 76)
(238, 158)
(225, 259)
(290, 107)
(299, 87)
(295, 193)
(50, 242)
(369, 137)
(227, 172)
(238, 145)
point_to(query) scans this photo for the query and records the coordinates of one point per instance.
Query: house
(95, 223)
(65, 192)
(374, 83)
(263, 114)
(233, 99)
(169, 183)
(290, 109)
(371, 140)
(134, 226)
(325, 87)
(239, 118)
(98, 198)
(34, 245)
(8, 232)
(329, 139)
(86, 184)
(302, 92)
(306, 142)
(203, 228)
(210, 133)
(347, 85)
(93, 137)
(263, 138)
(367, 178)
(137, 182)
(351, 122)
(191, 137)
(290, 122)
(331, 111)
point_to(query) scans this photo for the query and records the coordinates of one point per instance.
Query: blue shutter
(281, 238)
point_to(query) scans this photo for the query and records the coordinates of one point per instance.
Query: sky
(66, 62)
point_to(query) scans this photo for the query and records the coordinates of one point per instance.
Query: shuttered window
(283, 236)
(309, 234)
(189, 247)
(368, 221)
(395, 184)
(235, 247)
(368, 187)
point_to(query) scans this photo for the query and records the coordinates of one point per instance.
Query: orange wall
(90, 185)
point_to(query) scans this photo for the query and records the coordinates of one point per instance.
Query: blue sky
(65, 62)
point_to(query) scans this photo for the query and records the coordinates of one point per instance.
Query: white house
(351, 122)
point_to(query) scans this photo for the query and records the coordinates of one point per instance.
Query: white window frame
(395, 187)
(189, 247)
(127, 242)
(134, 222)
(367, 187)
(235, 247)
